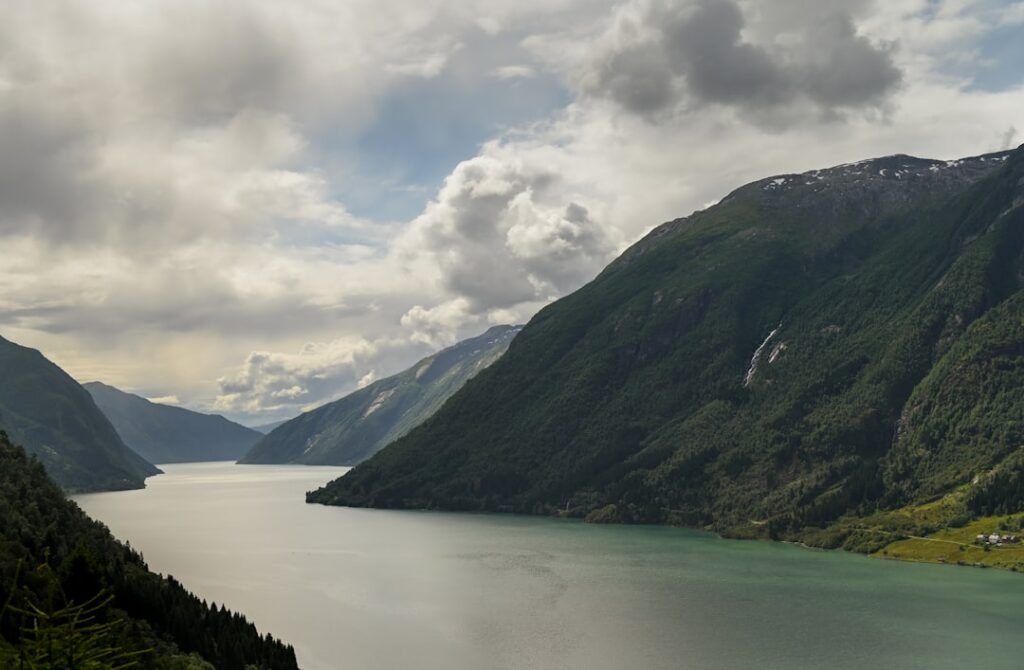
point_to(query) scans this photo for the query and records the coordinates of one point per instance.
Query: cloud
(436, 326)
(663, 56)
(72, 175)
(206, 63)
(178, 179)
(1008, 138)
(506, 72)
(44, 174)
(705, 47)
(171, 182)
(165, 400)
(504, 231)
(271, 382)
(366, 379)
(426, 66)
(1013, 14)
(504, 235)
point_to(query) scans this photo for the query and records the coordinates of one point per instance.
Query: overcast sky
(254, 206)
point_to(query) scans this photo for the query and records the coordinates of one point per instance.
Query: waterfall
(757, 357)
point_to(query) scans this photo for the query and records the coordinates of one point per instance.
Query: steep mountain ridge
(350, 430)
(847, 197)
(641, 396)
(53, 417)
(166, 434)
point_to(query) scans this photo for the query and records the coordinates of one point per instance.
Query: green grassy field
(939, 531)
(957, 546)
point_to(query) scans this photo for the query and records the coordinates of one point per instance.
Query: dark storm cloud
(46, 158)
(216, 63)
(706, 47)
(668, 53)
(637, 77)
(848, 70)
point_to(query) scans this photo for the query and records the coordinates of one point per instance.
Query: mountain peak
(909, 175)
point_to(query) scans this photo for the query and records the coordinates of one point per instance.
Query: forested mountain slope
(54, 558)
(166, 434)
(350, 430)
(815, 347)
(52, 416)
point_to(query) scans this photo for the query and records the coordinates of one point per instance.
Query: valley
(511, 335)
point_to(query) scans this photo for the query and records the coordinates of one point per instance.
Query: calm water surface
(366, 589)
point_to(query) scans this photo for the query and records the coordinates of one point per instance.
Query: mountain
(350, 430)
(53, 417)
(821, 356)
(165, 434)
(55, 558)
(268, 427)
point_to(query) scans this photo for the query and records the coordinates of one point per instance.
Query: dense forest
(814, 347)
(71, 596)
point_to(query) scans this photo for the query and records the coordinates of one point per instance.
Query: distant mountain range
(350, 430)
(166, 434)
(820, 356)
(47, 412)
(267, 427)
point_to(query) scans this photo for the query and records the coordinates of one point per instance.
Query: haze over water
(367, 589)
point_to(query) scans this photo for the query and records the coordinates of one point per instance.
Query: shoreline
(879, 553)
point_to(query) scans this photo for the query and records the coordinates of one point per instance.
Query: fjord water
(381, 590)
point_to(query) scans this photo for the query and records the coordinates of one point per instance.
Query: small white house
(994, 538)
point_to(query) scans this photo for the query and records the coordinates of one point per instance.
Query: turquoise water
(368, 589)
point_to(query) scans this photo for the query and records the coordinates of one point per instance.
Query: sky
(251, 207)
